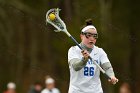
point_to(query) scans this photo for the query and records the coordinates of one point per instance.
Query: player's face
(38, 87)
(50, 86)
(89, 37)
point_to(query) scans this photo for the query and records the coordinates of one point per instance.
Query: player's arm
(109, 71)
(78, 64)
(106, 65)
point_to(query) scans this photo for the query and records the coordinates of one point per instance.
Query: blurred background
(30, 49)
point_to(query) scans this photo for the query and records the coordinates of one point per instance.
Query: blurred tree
(106, 19)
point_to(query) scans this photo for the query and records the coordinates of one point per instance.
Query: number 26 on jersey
(88, 71)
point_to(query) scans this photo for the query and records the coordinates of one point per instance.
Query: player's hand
(113, 80)
(85, 54)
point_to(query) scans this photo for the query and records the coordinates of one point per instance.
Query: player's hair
(47, 76)
(37, 83)
(88, 22)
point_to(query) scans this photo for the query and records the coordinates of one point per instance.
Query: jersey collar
(86, 48)
(90, 49)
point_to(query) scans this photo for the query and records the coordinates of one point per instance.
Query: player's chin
(90, 45)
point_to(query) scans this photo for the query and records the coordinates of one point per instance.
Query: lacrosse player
(50, 86)
(84, 74)
(11, 88)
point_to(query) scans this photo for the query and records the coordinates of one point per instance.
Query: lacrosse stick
(56, 21)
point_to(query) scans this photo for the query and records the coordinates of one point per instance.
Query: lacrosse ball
(52, 16)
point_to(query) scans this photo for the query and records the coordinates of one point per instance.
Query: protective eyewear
(87, 34)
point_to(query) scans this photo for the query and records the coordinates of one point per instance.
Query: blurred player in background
(11, 88)
(84, 74)
(50, 86)
(125, 88)
(36, 88)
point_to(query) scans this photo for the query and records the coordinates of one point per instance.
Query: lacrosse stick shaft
(73, 39)
(76, 42)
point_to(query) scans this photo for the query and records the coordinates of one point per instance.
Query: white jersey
(54, 90)
(86, 80)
